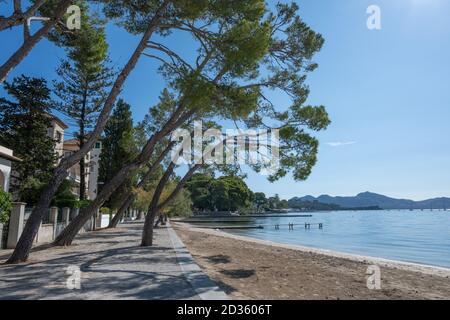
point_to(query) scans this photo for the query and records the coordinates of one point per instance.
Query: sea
(421, 237)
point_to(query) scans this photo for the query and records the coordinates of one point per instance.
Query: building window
(98, 145)
(58, 137)
(67, 154)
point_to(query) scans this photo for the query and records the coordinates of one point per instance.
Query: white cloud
(340, 143)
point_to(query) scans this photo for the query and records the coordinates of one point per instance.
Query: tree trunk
(68, 234)
(31, 228)
(82, 179)
(22, 249)
(147, 233)
(118, 216)
(158, 221)
(31, 41)
(66, 238)
(129, 200)
(154, 208)
(83, 159)
(179, 186)
(175, 121)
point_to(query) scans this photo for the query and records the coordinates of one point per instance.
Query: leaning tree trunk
(31, 228)
(128, 201)
(82, 162)
(82, 179)
(118, 216)
(177, 119)
(31, 41)
(24, 245)
(147, 233)
(66, 237)
(154, 208)
(68, 234)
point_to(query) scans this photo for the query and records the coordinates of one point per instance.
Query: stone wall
(47, 232)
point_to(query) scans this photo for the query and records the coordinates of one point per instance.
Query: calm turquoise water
(414, 236)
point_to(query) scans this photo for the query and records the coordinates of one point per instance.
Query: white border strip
(202, 284)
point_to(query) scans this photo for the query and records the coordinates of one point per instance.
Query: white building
(62, 148)
(91, 173)
(65, 148)
(6, 158)
(94, 166)
(56, 132)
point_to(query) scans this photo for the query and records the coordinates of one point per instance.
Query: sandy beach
(247, 268)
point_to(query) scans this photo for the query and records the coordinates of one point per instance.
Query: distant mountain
(367, 199)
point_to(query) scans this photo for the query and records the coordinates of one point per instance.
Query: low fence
(53, 223)
(51, 226)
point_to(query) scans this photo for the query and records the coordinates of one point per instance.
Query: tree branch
(28, 45)
(18, 17)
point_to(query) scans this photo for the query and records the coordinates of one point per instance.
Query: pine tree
(84, 80)
(24, 122)
(118, 148)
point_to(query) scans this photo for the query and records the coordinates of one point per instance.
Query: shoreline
(305, 272)
(405, 265)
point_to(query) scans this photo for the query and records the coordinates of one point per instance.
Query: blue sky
(387, 93)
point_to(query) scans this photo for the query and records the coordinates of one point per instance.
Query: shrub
(80, 204)
(30, 190)
(105, 210)
(64, 198)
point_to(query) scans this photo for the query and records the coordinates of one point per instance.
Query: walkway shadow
(112, 265)
(225, 287)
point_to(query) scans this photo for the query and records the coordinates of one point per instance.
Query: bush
(30, 191)
(105, 210)
(81, 204)
(5, 206)
(65, 202)
(64, 198)
(245, 211)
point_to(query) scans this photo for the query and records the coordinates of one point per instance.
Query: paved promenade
(112, 266)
